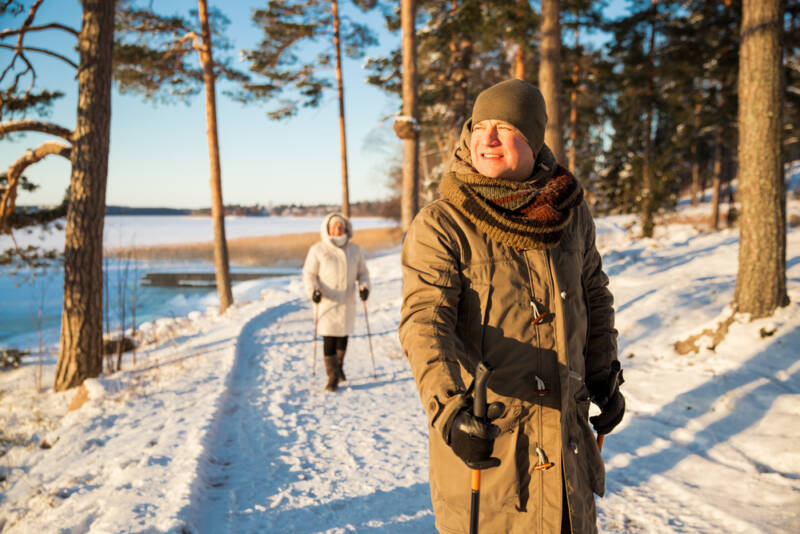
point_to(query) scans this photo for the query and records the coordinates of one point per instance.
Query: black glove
(610, 414)
(316, 296)
(363, 293)
(473, 440)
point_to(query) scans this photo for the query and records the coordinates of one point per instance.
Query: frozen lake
(30, 302)
(141, 230)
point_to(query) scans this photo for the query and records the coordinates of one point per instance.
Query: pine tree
(155, 56)
(80, 351)
(463, 47)
(408, 128)
(582, 94)
(297, 81)
(761, 279)
(550, 76)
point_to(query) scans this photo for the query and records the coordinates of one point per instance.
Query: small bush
(12, 358)
(111, 346)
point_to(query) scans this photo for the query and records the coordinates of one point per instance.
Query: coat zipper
(539, 401)
(551, 271)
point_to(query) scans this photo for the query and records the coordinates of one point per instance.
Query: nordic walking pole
(369, 337)
(613, 379)
(482, 374)
(316, 321)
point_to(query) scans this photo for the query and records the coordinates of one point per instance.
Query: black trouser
(330, 344)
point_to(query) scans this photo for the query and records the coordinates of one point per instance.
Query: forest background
(652, 111)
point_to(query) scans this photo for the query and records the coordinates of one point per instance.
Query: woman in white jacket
(333, 271)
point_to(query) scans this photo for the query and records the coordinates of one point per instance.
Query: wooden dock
(198, 279)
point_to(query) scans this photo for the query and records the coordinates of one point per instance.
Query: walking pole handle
(482, 374)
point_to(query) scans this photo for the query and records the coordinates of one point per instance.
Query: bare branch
(32, 13)
(51, 26)
(41, 51)
(9, 194)
(19, 47)
(27, 125)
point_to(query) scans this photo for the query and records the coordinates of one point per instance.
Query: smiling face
(498, 150)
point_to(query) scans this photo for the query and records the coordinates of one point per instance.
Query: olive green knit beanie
(517, 103)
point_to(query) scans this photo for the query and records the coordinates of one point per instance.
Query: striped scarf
(529, 214)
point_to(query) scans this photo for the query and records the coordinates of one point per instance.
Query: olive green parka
(468, 298)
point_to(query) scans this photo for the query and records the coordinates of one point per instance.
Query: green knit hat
(517, 103)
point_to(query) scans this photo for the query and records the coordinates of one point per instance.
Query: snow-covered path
(289, 457)
(223, 428)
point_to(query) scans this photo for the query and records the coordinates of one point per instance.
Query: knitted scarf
(529, 214)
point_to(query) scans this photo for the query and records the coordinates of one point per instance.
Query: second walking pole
(369, 337)
(482, 374)
(316, 321)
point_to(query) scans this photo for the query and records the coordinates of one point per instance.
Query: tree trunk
(221, 262)
(80, 352)
(573, 106)
(519, 62)
(761, 279)
(716, 179)
(695, 156)
(410, 199)
(342, 137)
(648, 196)
(550, 76)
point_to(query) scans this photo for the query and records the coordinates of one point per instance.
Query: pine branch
(41, 51)
(9, 193)
(36, 126)
(51, 26)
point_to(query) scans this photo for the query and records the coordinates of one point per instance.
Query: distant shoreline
(264, 251)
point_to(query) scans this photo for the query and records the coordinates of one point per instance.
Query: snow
(222, 425)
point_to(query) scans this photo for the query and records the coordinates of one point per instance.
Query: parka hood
(323, 231)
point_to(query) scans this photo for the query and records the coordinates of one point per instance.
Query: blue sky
(159, 154)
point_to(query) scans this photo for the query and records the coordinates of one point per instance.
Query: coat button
(573, 445)
(563, 295)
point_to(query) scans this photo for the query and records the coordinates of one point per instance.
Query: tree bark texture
(573, 107)
(410, 199)
(221, 260)
(695, 161)
(550, 76)
(80, 352)
(648, 202)
(761, 279)
(519, 62)
(716, 179)
(340, 88)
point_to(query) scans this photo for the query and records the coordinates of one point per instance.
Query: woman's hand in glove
(610, 414)
(473, 439)
(316, 296)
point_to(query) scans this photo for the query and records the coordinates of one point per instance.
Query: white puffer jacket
(338, 272)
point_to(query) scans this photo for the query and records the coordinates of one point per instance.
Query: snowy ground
(222, 427)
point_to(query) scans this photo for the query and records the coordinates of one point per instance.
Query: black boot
(340, 365)
(331, 367)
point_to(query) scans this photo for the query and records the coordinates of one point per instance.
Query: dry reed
(284, 250)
